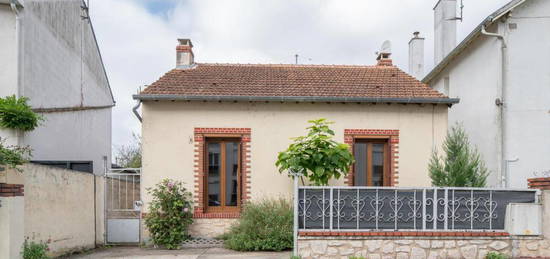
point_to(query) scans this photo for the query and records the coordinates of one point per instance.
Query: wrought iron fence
(389, 208)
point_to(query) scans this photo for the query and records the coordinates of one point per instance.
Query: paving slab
(189, 253)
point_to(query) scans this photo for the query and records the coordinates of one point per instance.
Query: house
(49, 53)
(219, 127)
(500, 73)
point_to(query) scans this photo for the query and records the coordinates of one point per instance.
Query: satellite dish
(386, 47)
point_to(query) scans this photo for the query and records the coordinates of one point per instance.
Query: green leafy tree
(461, 166)
(16, 114)
(169, 214)
(317, 156)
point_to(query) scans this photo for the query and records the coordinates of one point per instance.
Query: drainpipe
(503, 177)
(135, 110)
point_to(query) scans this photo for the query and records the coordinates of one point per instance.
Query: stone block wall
(421, 247)
(210, 228)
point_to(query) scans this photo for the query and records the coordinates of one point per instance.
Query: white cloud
(138, 45)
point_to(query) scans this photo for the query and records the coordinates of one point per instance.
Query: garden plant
(461, 166)
(170, 214)
(264, 225)
(16, 114)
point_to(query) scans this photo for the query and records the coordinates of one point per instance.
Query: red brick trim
(11, 190)
(542, 183)
(200, 135)
(216, 215)
(406, 233)
(351, 134)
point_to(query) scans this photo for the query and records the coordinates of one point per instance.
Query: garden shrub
(13, 156)
(265, 225)
(16, 114)
(169, 214)
(496, 255)
(32, 250)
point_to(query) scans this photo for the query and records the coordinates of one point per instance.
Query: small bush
(15, 113)
(32, 250)
(13, 156)
(496, 255)
(263, 226)
(169, 214)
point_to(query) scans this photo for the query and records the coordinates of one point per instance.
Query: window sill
(216, 215)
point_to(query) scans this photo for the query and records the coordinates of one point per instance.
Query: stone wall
(210, 228)
(421, 248)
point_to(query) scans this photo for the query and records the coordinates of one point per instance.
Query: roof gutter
(167, 97)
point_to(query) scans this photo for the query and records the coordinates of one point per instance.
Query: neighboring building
(500, 72)
(219, 127)
(48, 53)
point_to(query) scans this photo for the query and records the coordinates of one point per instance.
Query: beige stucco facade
(60, 208)
(169, 149)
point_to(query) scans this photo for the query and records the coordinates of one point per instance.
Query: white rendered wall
(475, 77)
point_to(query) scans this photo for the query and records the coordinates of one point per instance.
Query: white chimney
(184, 54)
(416, 56)
(445, 28)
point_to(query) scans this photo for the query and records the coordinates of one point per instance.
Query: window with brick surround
(223, 166)
(222, 171)
(371, 162)
(376, 152)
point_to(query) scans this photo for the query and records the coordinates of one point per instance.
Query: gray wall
(475, 77)
(61, 71)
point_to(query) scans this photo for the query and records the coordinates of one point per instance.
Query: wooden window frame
(386, 177)
(223, 208)
(200, 135)
(392, 137)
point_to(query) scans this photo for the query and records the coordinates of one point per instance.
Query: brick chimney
(384, 54)
(184, 54)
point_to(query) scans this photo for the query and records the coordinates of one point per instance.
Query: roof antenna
(461, 12)
(296, 57)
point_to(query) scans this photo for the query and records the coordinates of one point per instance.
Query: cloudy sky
(137, 38)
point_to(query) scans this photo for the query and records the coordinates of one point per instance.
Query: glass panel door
(231, 173)
(214, 155)
(370, 168)
(223, 162)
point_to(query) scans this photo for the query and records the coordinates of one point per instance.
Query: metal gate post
(295, 235)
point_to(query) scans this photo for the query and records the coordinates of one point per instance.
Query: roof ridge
(292, 65)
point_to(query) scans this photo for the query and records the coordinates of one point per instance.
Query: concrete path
(189, 253)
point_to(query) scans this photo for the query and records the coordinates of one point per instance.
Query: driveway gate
(123, 205)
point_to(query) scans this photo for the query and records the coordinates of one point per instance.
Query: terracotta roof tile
(270, 80)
